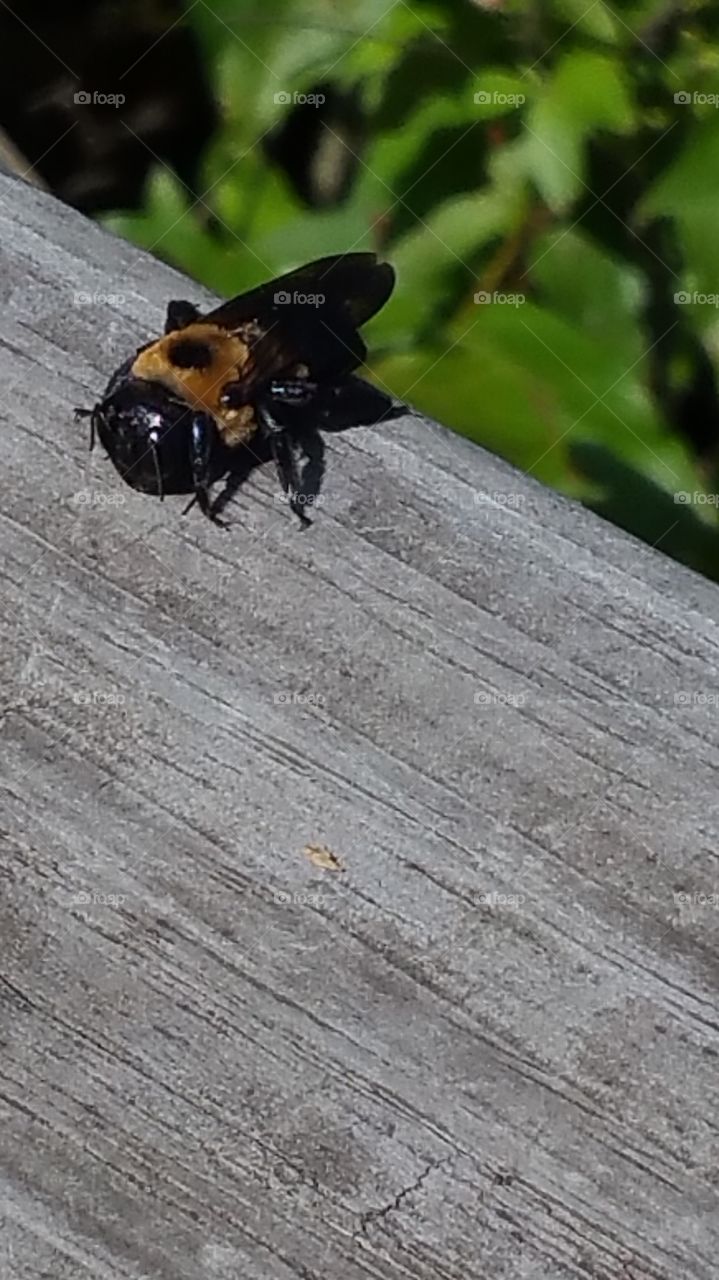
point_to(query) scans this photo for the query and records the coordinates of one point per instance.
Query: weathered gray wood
(220, 1060)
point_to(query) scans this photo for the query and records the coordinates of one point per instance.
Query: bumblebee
(254, 378)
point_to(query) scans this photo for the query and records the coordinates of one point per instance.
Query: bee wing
(309, 316)
(354, 284)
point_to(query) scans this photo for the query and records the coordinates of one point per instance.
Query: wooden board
(487, 1045)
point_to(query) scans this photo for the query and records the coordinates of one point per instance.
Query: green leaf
(586, 93)
(687, 193)
(594, 20)
(600, 294)
(433, 261)
(668, 521)
(528, 384)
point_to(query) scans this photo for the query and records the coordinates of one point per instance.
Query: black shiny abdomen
(132, 417)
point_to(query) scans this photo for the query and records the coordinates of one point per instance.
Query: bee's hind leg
(290, 452)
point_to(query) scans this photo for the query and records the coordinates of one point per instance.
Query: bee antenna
(158, 472)
(88, 413)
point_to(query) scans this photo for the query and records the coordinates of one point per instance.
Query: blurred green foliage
(542, 176)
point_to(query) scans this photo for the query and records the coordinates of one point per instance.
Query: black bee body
(258, 375)
(138, 423)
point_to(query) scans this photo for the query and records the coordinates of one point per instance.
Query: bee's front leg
(88, 413)
(204, 446)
